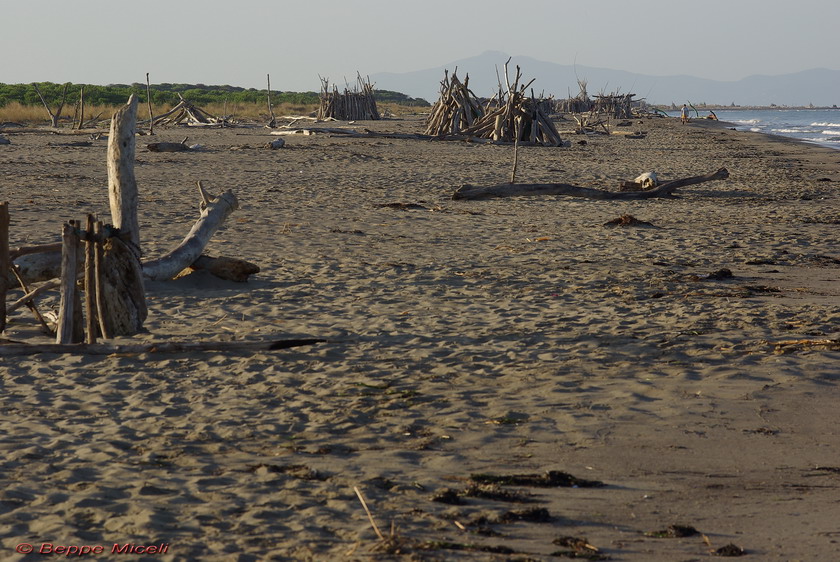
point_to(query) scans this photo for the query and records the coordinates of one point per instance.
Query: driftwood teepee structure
(511, 116)
(185, 113)
(358, 104)
(456, 108)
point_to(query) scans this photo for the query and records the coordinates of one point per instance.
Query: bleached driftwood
(124, 309)
(511, 190)
(120, 292)
(41, 266)
(168, 146)
(122, 186)
(214, 211)
(31, 295)
(18, 349)
(231, 269)
(69, 328)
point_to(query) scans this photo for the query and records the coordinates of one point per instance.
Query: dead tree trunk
(54, 116)
(121, 261)
(122, 186)
(531, 189)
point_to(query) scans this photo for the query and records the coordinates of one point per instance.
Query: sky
(239, 42)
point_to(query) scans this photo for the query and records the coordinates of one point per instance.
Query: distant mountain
(819, 86)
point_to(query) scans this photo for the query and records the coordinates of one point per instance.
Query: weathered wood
(91, 322)
(67, 330)
(230, 269)
(167, 147)
(511, 190)
(41, 266)
(273, 121)
(18, 349)
(54, 116)
(122, 186)
(149, 101)
(214, 211)
(123, 309)
(5, 261)
(31, 295)
(104, 328)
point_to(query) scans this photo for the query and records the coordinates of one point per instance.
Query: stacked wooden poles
(511, 117)
(457, 107)
(358, 104)
(517, 118)
(185, 112)
(109, 304)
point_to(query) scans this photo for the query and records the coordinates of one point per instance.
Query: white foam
(825, 124)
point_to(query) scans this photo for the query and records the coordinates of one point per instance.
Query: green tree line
(116, 94)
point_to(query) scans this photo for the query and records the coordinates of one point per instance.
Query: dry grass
(37, 115)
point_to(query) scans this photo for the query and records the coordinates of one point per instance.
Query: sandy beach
(514, 336)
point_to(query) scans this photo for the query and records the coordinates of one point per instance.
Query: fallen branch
(789, 346)
(511, 190)
(214, 211)
(16, 349)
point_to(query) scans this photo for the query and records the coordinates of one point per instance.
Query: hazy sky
(238, 42)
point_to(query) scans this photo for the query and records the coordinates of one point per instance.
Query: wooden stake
(81, 107)
(516, 150)
(97, 279)
(91, 324)
(149, 100)
(65, 331)
(5, 261)
(273, 122)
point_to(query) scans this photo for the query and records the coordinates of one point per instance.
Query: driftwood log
(11, 349)
(231, 269)
(531, 189)
(214, 211)
(168, 146)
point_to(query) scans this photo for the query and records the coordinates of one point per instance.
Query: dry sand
(508, 336)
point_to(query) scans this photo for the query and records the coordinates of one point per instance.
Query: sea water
(820, 126)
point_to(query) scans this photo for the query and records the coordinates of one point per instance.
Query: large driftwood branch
(17, 349)
(214, 211)
(511, 190)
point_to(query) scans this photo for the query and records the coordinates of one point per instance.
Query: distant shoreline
(708, 107)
